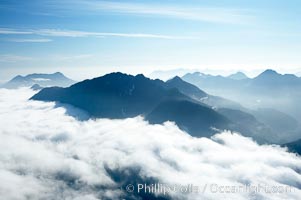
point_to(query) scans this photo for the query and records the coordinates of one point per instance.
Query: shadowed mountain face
(276, 119)
(118, 96)
(294, 146)
(284, 128)
(249, 125)
(43, 80)
(189, 116)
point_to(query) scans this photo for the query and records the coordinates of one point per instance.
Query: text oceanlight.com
(166, 189)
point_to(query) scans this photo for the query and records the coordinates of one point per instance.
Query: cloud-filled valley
(46, 154)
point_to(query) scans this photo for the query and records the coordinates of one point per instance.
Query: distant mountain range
(39, 80)
(213, 83)
(268, 90)
(168, 74)
(267, 80)
(272, 81)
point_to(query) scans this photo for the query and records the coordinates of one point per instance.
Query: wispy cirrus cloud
(200, 13)
(77, 33)
(10, 31)
(180, 11)
(29, 40)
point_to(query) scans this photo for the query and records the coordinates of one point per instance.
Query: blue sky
(86, 38)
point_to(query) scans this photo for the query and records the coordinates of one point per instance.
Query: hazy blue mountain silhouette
(276, 119)
(238, 76)
(272, 78)
(208, 82)
(272, 98)
(43, 80)
(273, 90)
(269, 80)
(118, 96)
(268, 90)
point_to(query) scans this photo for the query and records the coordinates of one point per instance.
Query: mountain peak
(238, 76)
(18, 77)
(269, 72)
(140, 76)
(270, 78)
(176, 78)
(58, 74)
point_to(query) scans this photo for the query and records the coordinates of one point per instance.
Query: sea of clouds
(47, 154)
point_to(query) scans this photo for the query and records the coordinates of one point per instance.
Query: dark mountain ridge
(118, 96)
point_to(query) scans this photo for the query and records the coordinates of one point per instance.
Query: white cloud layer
(45, 154)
